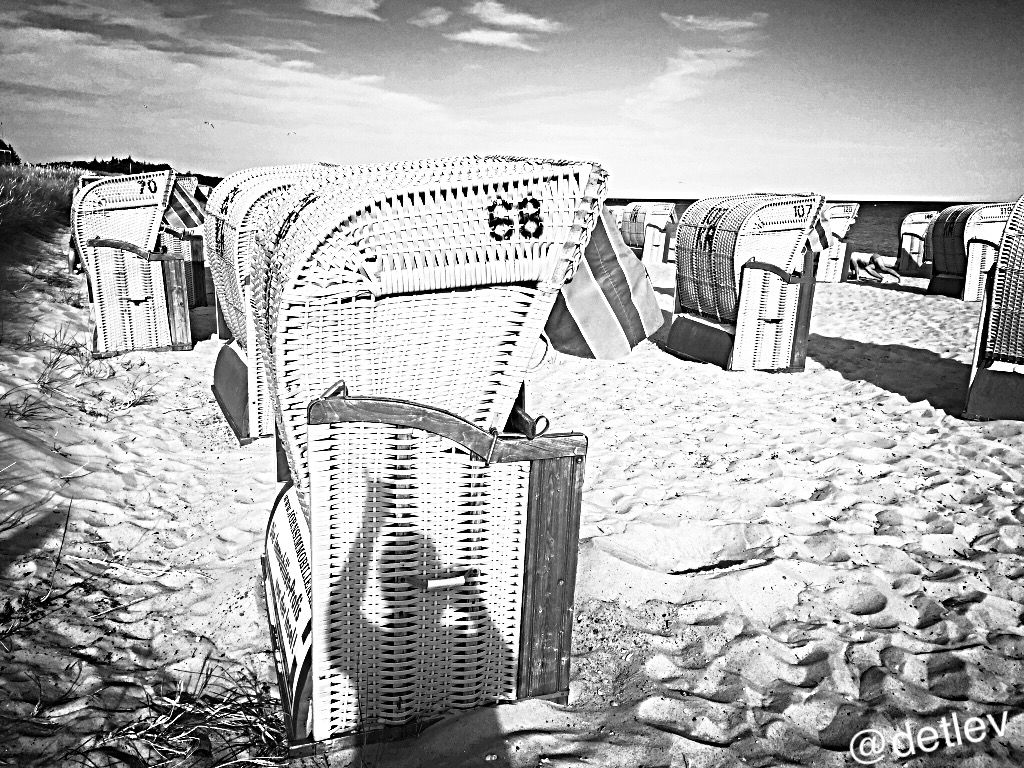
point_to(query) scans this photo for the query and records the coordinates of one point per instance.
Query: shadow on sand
(887, 286)
(916, 374)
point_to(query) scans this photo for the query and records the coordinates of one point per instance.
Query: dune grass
(33, 199)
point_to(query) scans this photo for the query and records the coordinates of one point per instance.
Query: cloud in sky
(355, 9)
(686, 75)
(499, 38)
(122, 96)
(720, 24)
(497, 15)
(431, 17)
(730, 29)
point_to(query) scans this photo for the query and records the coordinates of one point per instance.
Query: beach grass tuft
(33, 199)
(221, 717)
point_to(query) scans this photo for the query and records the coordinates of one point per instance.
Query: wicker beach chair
(834, 263)
(649, 229)
(996, 387)
(961, 242)
(237, 209)
(421, 562)
(745, 281)
(135, 234)
(910, 261)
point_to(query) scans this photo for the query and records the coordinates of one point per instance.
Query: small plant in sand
(140, 392)
(219, 718)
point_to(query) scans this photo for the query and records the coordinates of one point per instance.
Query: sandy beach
(769, 563)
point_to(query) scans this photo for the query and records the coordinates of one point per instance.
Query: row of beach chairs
(955, 247)
(420, 557)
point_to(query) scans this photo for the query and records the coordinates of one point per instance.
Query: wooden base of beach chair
(995, 394)
(695, 340)
(947, 285)
(231, 388)
(548, 575)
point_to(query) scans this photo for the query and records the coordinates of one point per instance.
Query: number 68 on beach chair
(745, 280)
(423, 560)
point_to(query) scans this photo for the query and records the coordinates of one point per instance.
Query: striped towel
(187, 206)
(609, 306)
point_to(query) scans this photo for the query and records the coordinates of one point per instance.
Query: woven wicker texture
(913, 230)
(641, 220)
(240, 205)
(1003, 325)
(391, 503)
(129, 308)
(715, 238)
(431, 283)
(839, 218)
(717, 235)
(945, 243)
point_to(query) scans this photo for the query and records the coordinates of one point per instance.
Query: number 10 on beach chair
(745, 280)
(996, 387)
(422, 561)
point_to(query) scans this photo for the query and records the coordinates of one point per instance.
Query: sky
(854, 99)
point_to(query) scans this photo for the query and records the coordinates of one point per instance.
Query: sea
(876, 230)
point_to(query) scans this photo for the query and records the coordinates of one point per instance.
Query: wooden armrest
(764, 266)
(124, 245)
(489, 446)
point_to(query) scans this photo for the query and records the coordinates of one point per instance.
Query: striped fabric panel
(184, 211)
(820, 238)
(609, 306)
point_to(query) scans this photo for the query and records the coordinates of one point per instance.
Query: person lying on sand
(872, 265)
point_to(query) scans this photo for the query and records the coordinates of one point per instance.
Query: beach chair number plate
(147, 185)
(801, 211)
(501, 222)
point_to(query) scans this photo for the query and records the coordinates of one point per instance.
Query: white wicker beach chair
(649, 229)
(437, 569)
(910, 261)
(996, 387)
(834, 263)
(745, 281)
(134, 258)
(960, 242)
(239, 207)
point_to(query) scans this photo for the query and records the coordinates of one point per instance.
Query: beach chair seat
(961, 242)
(398, 313)
(130, 232)
(649, 229)
(996, 386)
(745, 280)
(834, 262)
(910, 259)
